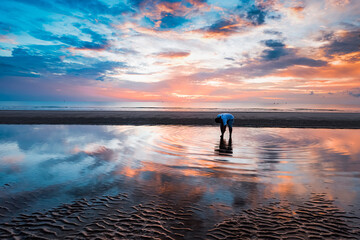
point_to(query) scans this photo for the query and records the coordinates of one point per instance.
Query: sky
(254, 51)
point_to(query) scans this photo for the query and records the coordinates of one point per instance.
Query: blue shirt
(225, 117)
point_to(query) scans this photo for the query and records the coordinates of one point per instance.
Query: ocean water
(169, 106)
(43, 166)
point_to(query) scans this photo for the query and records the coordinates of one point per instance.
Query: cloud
(256, 11)
(98, 41)
(304, 61)
(270, 61)
(355, 92)
(6, 39)
(96, 37)
(197, 2)
(95, 71)
(166, 4)
(223, 27)
(23, 64)
(298, 9)
(333, 83)
(26, 63)
(244, 17)
(223, 43)
(166, 14)
(277, 50)
(172, 54)
(274, 43)
(168, 20)
(172, 14)
(11, 70)
(273, 32)
(138, 3)
(259, 69)
(283, 57)
(5, 28)
(256, 15)
(342, 43)
(284, 61)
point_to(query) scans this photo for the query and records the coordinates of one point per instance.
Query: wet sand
(172, 215)
(114, 217)
(243, 119)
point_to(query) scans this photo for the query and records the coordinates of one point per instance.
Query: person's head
(218, 119)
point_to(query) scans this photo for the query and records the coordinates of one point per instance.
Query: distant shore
(242, 119)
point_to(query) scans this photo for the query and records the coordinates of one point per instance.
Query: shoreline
(242, 119)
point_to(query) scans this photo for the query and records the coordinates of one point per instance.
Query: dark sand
(242, 119)
(116, 218)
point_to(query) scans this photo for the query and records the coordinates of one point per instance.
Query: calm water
(169, 106)
(43, 166)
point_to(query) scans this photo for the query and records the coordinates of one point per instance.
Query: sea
(176, 106)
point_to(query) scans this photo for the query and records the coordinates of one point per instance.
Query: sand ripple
(317, 218)
(115, 217)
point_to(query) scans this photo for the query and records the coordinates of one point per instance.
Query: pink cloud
(173, 54)
(6, 39)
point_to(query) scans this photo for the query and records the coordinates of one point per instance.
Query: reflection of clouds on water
(308, 160)
(49, 157)
(180, 162)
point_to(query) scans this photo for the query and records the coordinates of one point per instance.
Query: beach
(109, 124)
(242, 119)
(177, 182)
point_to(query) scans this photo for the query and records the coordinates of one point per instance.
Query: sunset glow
(181, 50)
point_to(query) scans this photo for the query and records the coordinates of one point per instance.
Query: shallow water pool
(44, 166)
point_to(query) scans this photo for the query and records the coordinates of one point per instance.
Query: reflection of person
(224, 149)
(225, 119)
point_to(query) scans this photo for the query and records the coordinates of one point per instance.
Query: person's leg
(230, 124)
(223, 129)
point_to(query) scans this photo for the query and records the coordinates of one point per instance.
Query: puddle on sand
(177, 177)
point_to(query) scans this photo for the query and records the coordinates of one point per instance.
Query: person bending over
(225, 119)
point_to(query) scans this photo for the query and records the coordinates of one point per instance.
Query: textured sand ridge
(115, 218)
(107, 217)
(317, 218)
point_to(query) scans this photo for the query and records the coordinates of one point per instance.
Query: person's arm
(222, 128)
